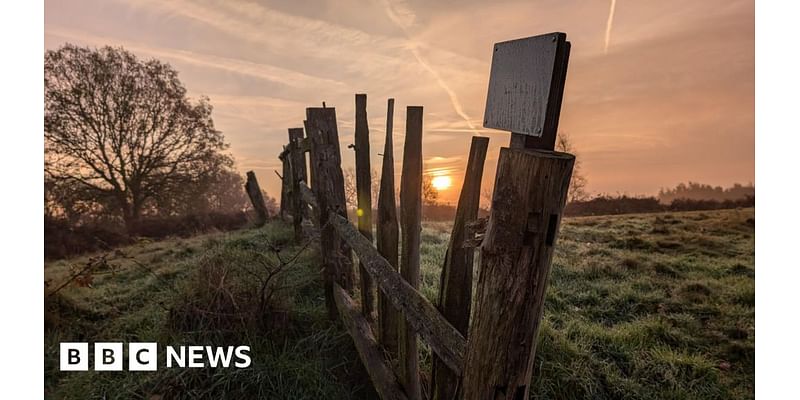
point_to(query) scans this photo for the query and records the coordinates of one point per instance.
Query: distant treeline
(607, 205)
(684, 197)
(699, 191)
(64, 239)
(690, 196)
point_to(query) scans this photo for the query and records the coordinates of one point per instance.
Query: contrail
(453, 97)
(403, 23)
(610, 23)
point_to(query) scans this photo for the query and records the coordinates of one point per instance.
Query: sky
(657, 92)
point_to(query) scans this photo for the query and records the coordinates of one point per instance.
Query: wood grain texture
(444, 339)
(308, 145)
(526, 85)
(411, 228)
(329, 191)
(455, 293)
(286, 183)
(308, 196)
(379, 370)
(256, 198)
(529, 197)
(296, 136)
(297, 163)
(364, 199)
(387, 236)
(547, 140)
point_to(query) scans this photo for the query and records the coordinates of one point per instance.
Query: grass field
(639, 307)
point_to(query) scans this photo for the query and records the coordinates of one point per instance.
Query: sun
(441, 182)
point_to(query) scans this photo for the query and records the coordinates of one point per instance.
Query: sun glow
(441, 182)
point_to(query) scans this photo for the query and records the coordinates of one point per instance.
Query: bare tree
(351, 191)
(577, 186)
(430, 196)
(123, 129)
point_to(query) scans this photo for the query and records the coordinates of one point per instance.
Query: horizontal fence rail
(380, 372)
(443, 338)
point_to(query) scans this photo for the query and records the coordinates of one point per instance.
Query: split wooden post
(310, 180)
(328, 185)
(530, 193)
(364, 194)
(286, 183)
(410, 215)
(529, 197)
(297, 160)
(256, 198)
(387, 236)
(455, 288)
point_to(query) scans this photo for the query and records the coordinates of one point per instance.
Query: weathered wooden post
(256, 198)
(525, 91)
(328, 186)
(410, 222)
(387, 236)
(364, 194)
(297, 160)
(455, 288)
(286, 183)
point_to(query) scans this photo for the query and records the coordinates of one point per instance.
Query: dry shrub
(233, 289)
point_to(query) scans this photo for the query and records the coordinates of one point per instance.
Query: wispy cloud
(244, 67)
(443, 160)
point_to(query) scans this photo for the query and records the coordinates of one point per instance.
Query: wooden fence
(511, 284)
(516, 248)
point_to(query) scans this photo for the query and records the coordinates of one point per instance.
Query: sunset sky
(657, 92)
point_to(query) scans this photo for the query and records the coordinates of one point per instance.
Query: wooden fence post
(328, 185)
(455, 288)
(410, 216)
(286, 183)
(256, 198)
(364, 194)
(298, 162)
(529, 196)
(387, 236)
(310, 180)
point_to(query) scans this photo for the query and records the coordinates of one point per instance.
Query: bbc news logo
(109, 356)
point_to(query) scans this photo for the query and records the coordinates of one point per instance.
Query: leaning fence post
(529, 196)
(328, 185)
(387, 236)
(410, 215)
(286, 183)
(364, 194)
(298, 162)
(455, 289)
(256, 198)
(530, 191)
